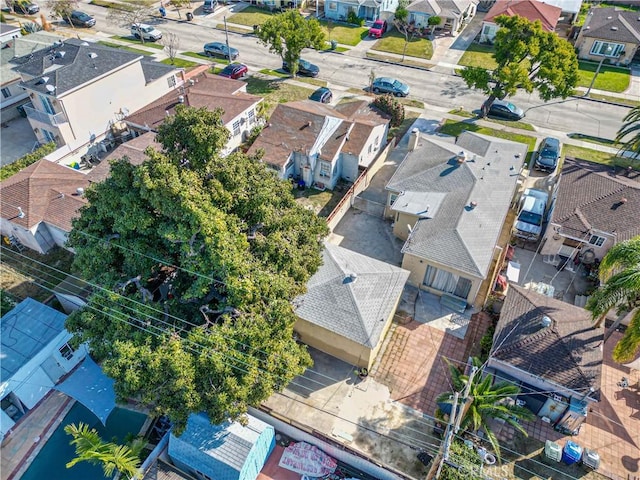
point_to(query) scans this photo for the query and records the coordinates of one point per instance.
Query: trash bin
(334, 44)
(571, 453)
(552, 451)
(590, 459)
(189, 16)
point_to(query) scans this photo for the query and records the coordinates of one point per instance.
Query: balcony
(44, 117)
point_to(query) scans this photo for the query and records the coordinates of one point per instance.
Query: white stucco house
(35, 355)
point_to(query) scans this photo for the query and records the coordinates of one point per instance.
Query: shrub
(392, 106)
(486, 342)
(28, 159)
(353, 18)
(434, 21)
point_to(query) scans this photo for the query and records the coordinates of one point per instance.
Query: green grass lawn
(621, 101)
(394, 42)
(611, 79)
(399, 131)
(506, 123)
(478, 56)
(345, 34)
(406, 61)
(250, 16)
(179, 63)
(274, 73)
(597, 156)
(157, 46)
(124, 47)
(276, 91)
(222, 61)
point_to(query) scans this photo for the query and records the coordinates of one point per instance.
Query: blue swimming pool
(51, 460)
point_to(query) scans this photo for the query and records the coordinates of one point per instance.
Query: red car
(234, 70)
(378, 28)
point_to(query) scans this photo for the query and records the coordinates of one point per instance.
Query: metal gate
(368, 206)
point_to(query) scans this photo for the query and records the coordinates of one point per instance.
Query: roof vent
(461, 157)
(181, 98)
(545, 322)
(20, 213)
(609, 17)
(351, 278)
(93, 55)
(473, 205)
(192, 82)
(60, 54)
(80, 191)
(615, 29)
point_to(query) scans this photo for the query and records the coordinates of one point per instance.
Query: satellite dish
(51, 88)
(93, 55)
(125, 111)
(85, 44)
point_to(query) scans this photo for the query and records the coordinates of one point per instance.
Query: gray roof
(352, 295)
(72, 63)
(612, 24)
(443, 8)
(26, 330)
(565, 353)
(459, 236)
(18, 47)
(6, 28)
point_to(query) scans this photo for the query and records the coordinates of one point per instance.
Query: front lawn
(394, 42)
(276, 91)
(149, 44)
(345, 34)
(506, 123)
(478, 56)
(610, 79)
(250, 16)
(597, 156)
(179, 63)
(201, 55)
(124, 47)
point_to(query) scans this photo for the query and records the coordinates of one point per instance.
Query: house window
(251, 115)
(370, 148)
(66, 351)
(447, 282)
(596, 240)
(606, 49)
(236, 128)
(392, 199)
(325, 169)
(333, 6)
(48, 136)
(47, 105)
(171, 81)
(6, 93)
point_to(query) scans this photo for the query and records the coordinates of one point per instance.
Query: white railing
(44, 117)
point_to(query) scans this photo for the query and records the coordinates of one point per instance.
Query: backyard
(394, 42)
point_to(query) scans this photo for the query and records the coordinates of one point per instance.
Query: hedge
(28, 159)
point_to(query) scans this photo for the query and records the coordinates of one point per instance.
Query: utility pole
(226, 34)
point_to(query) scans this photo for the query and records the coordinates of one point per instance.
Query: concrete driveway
(16, 140)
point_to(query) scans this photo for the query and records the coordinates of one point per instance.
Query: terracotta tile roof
(296, 126)
(46, 192)
(565, 353)
(612, 24)
(133, 150)
(209, 91)
(529, 9)
(589, 197)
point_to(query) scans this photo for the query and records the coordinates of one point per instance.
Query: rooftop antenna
(93, 56)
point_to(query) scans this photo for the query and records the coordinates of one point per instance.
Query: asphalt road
(437, 90)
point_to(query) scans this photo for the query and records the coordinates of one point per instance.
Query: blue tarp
(92, 388)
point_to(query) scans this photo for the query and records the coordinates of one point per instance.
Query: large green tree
(629, 134)
(619, 273)
(488, 400)
(528, 58)
(404, 26)
(200, 256)
(288, 33)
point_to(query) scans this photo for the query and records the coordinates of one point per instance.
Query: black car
(506, 110)
(322, 95)
(219, 49)
(548, 155)
(25, 7)
(305, 68)
(81, 19)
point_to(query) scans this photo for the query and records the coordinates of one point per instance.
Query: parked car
(25, 7)
(148, 32)
(548, 155)
(80, 19)
(305, 68)
(234, 70)
(219, 49)
(531, 214)
(506, 110)
(390, 85)
(209, 6)
(322, 95)
(378, 28)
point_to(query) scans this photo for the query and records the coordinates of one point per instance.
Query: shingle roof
(18, 47)
(46, 192)
(589, 197)
(612, 24)
(356, 307)
(458, 236)
(209, 91)
(566, 353)
(133, 150)
(443, 8)
(305, 126)
(26, 330)
(529, 9)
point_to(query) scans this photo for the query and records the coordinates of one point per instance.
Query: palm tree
(620, 273)
(488, 401)
(91, 448)
(631, 126)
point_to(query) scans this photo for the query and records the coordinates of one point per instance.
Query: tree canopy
(629, 134)
(529, 58)
(288, 33)
(200, 257)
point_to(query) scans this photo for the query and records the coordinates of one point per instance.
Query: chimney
(413, 139)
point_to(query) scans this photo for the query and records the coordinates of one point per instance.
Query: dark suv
(548, 155)
(25, 7)
(81, 19)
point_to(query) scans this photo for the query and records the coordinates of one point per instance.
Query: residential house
(368, 10)
(32, 363)
(9, 32)
(455, 14)
(13, 95)
(593, 209)
(551, 350)
(321, 144)
(533, 10)
(349, 305)
(570, 8)
(67, 83)
(228, 451)
(610, 34)
(240, 109)
(39, 202)
(449, 202)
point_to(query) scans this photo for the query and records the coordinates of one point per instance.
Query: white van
(145, 31)
(531, 214)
